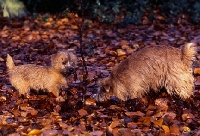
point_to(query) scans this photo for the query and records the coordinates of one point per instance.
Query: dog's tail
(189, 52)
(9, 62)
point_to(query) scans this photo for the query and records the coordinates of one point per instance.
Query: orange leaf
(165, 128)
(158, 122)
(90, 101)
(114, 124)
(138, 113)
(174, 130)
(197, 71)
(123, 42)
(146, 120)
(34, 132)
(120, 52)
(74, 27)
(82, 112)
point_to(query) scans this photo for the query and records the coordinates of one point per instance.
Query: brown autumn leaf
(90, 101)
(120, 52)
(65, 20)
(158, 122)
(82, 112)
(197, 71)
(138, 113)
(51, 132)
(14, 134)
(137, 132)
(174, 130)
(34, 132)
(132, 125)
(110, 64)
(123, 43)
(2, 98)
(165, 128)
(170, 114)
(162, 103)
(186, 116)
(115, 131)
(113, 125)
(24, 114)
(146, 120)
(47, 24)
(57, 108)
(186, 129)
(75, 27)
(122, 131)
(116, 108)
(29, 37)
(97, 133)
(63, 125)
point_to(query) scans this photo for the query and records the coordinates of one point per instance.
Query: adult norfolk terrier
(151, 68)
(48, 78)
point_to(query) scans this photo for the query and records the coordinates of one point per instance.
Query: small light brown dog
(51, 78)
(151, 68)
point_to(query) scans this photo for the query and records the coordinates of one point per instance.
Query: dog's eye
(64, 62)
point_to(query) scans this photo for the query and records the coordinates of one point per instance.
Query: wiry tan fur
(30, 76)
(151, 68)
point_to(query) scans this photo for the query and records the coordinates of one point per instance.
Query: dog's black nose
(71, 69)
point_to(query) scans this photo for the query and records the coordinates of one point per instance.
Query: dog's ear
(73, 58)
(53, 59)
(107, 88)
(106, 84)
(53, 56)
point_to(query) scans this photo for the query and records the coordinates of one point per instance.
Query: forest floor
(31, 40)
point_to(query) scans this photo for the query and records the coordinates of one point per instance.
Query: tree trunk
(13, 8)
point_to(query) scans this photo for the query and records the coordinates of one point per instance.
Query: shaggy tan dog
(151, 68)
(52, 78)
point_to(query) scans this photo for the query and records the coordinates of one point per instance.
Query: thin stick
(84, 66)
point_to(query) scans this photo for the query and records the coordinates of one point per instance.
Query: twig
(84, 66)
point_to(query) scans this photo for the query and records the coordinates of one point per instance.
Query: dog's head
(64, 61)
(104, 91)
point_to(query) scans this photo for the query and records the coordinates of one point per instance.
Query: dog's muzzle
(69, 70)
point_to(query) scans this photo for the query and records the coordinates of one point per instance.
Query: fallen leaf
(158, 122)
(82, 112)
(57, 108)
(50, 132)
(90, 101)
(197, 71)
(14, 134)
(174, 130)
(97, 133)
(165, 128)
(146, 120)
(63, 125)
(170, 114)
(122, 131)
(74, 27)
(123, 42)
(186, 129)
(35, 132)
(138, 113)
(132, 125)
(113, 125)
(120, 52)
(162, 103)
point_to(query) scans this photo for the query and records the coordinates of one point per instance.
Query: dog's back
(153, 68)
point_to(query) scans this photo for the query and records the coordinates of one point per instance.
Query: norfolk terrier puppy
(48, 78)
(151, 68)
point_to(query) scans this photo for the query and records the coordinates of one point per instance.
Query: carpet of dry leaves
(31, 40)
